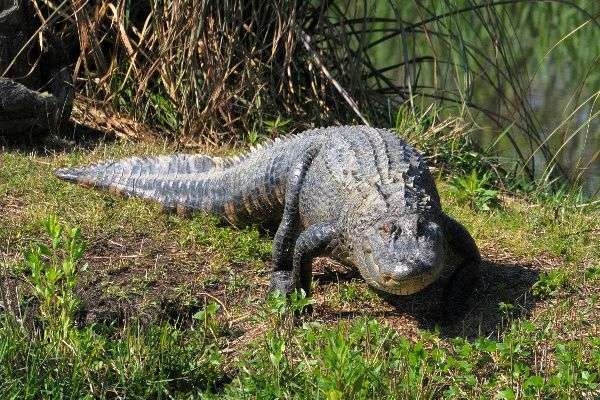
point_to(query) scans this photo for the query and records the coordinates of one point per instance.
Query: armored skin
(360, 195)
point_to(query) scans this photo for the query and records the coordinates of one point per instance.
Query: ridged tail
(245, 189)
(166, 179)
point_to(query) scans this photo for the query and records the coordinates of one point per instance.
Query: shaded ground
(508, 282)
(138, 278)
(72, 136)
(146, 278)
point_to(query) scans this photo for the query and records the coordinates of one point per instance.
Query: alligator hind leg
(283, 244)
(467, 273)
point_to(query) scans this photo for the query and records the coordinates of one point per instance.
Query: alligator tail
(170, 180)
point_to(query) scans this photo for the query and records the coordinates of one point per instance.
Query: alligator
(36, 91)
(357, 194)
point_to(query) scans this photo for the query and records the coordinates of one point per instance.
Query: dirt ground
(145, 280)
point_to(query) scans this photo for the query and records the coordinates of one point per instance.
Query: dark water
(552, 50)
(580, 139)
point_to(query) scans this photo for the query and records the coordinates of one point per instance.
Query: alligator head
(398, 244)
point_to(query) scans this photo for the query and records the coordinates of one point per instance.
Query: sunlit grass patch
(345, 294)
(172, 306)
(235, 245)
(45, 353)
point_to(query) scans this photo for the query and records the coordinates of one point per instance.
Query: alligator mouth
(401, 287)
(411, 285)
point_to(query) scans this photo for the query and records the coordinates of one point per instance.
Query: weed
(506, 308)
(349, 293)
(550, 283)
(52, 277)
(507, 311)
(252, 137)
(279, 306)
(475, 190)
(165, 112)
(276, 126)
(208, 318)
(412, 125)
(593, 273)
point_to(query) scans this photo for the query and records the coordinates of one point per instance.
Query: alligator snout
(398, 276)
(408, 281)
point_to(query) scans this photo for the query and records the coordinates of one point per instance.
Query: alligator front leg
(311, 243)
(467, 273)
(285, 238)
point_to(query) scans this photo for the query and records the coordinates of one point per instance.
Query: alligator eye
(386, 228)
(389, 229)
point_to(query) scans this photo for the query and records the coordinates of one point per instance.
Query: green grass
(141, 304)
(47, 355)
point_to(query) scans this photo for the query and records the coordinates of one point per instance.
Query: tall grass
(218, 72)
(488, 61)
(199, 69)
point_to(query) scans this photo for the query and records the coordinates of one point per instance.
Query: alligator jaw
(412, 285)
(66, 174)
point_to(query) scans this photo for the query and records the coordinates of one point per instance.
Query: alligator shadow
(507, 283)
(71, 136)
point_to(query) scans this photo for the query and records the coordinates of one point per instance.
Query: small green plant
(506, 308)
(411, 124)
(165, 111)
(270, 128)
(208, 318)
(52, 276)
(280, 305)
(550, 283)
(445, 142)
(276, 126)
(349, 293)
(593, 273)
(252, 137)
(475, 190)
(299, 302)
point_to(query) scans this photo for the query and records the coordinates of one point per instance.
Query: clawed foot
(282, 282)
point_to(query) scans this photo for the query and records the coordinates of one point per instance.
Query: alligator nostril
(387, 279)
